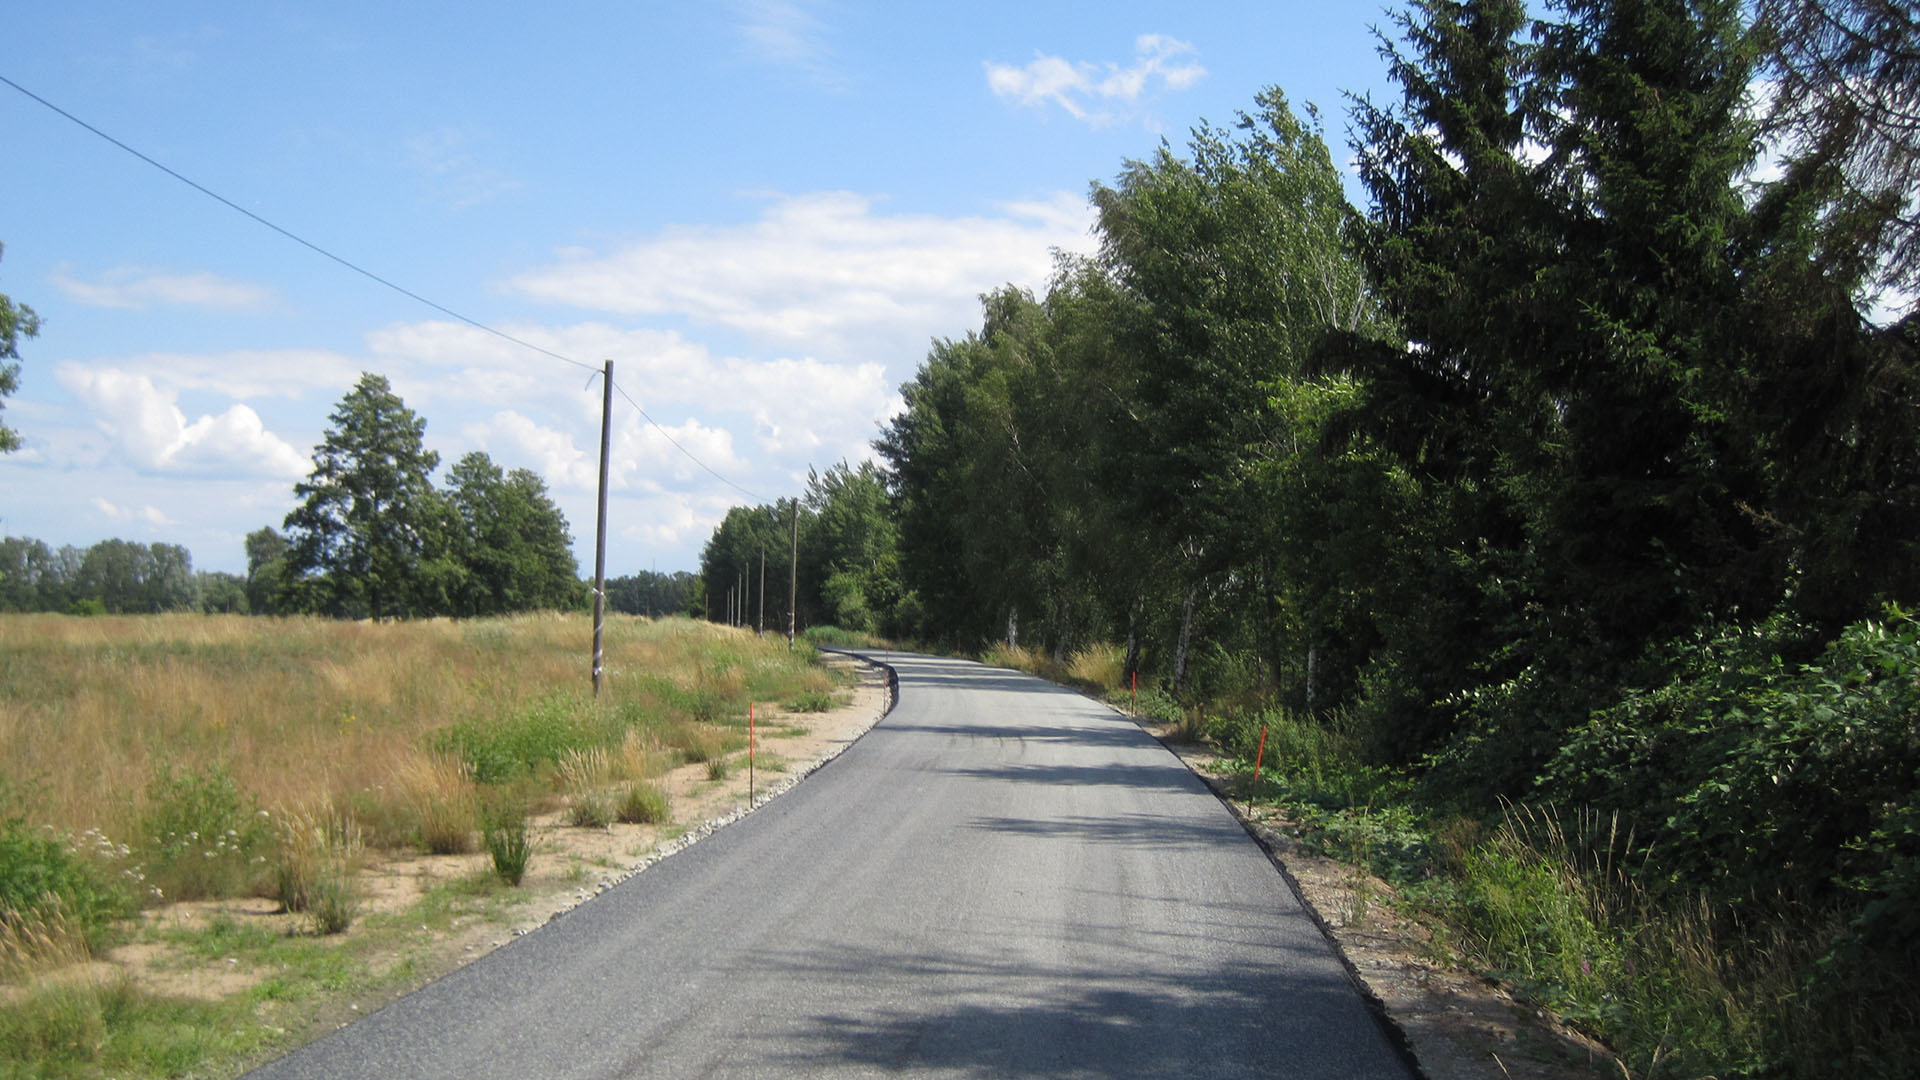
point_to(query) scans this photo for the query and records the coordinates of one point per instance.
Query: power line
(676, 445)
(371, 276)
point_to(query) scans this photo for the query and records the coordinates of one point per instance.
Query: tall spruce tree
(367, 520)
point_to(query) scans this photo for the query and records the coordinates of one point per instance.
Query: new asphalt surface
(1001, 879)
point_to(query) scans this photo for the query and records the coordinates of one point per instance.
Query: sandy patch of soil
(1458, 1025)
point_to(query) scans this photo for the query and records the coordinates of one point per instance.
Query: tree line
(848, 570)
(112, 576)
(372, 537)
(1574, 466)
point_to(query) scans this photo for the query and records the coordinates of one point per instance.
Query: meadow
(152, 759)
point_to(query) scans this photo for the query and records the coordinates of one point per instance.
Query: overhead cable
(370, 275)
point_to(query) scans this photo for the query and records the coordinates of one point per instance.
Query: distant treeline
(372, 538)
(112, 576)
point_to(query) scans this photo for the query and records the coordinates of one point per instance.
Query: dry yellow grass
(302, 710)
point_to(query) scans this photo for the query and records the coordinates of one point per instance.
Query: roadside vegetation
(155, 759)
(1552, 510)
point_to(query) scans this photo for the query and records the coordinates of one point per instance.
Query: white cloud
(149, 514)
(816, 271)
(1084, 89)
(510, 439)
(671, 519)
(451, 170)
(137, 289)
(794, 406)
(250, 373)
(147, 426)
(785, 34)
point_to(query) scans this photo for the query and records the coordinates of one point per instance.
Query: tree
(358, 540)
(16, 321)
(1847, 100)
(512, 542)
(221, 593)
(27, 569)
(266, 570)
(127, 577)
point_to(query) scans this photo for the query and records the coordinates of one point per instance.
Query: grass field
(94, 712)
(148, 760)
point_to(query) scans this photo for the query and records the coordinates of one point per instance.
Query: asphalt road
(1000, 879)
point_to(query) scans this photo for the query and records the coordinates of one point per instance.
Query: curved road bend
(1000, 879)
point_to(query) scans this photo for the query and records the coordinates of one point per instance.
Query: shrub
(642, 803)
(202, 840)
(514, 744)
(503, 829)
(50, 891)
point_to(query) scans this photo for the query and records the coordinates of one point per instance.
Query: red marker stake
(1257, 755)
(750, 753)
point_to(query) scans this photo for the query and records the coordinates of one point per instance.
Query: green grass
(643, 803)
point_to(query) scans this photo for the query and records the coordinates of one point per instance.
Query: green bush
(202, 839)
(516, 743)
(36, 864)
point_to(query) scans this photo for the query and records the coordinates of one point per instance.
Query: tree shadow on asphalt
(1134, 830)
(1024, 1020)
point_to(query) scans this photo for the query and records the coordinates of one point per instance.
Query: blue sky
(761, 211)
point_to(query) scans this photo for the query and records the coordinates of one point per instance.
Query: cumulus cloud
(1099, 94)
(137, 289)
(145, 423)
(818, 270)
(793, 405)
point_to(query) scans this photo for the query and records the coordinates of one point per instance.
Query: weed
(503, 829)
(719, 768)
(514, 743)
(439, 796)
(1100, 667)
(643, 803)
(203, 840)
(314, 870)
(812, 701)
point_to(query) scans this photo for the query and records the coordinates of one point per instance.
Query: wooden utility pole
(760, 624)
(793, 578)
(600, 530)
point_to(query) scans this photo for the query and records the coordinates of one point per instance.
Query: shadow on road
(995, 1020)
